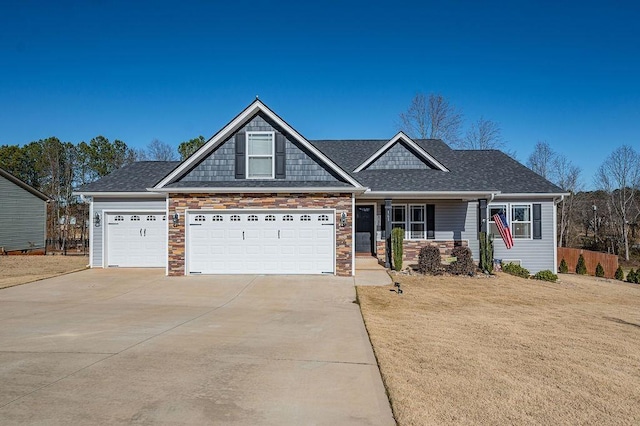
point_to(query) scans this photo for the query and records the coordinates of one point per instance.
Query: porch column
(482, 216)
(387, 233)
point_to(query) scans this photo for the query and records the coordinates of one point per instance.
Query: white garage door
(136, 239)
(261, 242)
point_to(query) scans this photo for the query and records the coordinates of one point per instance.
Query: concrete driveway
(133, 346)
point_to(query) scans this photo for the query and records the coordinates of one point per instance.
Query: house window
(305, 218)
(252, 218)
(518, 216)
(399, 217)
(416, 222)
(521, 220)
(260, 155)
(200, 218)
(493, 210)
(270, 218)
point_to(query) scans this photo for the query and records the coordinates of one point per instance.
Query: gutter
(254, 190)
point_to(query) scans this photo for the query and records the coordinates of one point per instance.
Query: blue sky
(562, 72)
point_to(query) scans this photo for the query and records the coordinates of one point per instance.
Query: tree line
(56, 168)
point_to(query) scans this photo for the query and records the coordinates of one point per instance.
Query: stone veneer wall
(411, 248)
(339, 202)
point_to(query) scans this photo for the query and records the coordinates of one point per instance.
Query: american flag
(503, 227)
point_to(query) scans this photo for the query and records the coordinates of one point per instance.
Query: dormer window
(260, 155)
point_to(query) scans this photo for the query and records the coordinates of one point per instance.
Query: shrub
(581, 267)
(564, 268)
(486, 252)
(546, 275)
(633, 276)
(599, 270)
(463, 265)
(619, 274)
(517, 270)
(397, 238)
(429, 260)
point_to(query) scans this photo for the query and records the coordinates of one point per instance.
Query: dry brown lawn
(504, 350)
(16, 270)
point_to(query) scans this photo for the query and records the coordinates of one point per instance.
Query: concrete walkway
(133, 346)
(370, 272)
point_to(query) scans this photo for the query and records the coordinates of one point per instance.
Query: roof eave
(137, 194)
(532, 194)
(431, 195)
(261, 190)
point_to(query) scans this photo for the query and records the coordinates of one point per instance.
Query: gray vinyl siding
(398, 157)
(117, 205)
(22, 218)
(220, 164)
(535, 255)
(454, 220)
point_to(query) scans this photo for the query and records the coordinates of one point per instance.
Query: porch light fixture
(96, 220)
(343, 219)
(176, 219)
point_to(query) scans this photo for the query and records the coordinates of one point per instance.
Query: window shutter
(281, 155)
(431, 221)
(240, 155)
(537, 221)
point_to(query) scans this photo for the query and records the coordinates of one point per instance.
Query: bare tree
(161, 151)
(483, 134)
(619, 177)
(432, 117)
(541, 159)
(566, 176)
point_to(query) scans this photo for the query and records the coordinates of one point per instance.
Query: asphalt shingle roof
(135, 177)
(469, 170)
(480, 170)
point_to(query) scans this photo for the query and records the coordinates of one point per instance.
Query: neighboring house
(23, 215)
(259, 197)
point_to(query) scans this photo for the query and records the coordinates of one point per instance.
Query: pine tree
(581, 267)
(563, 269)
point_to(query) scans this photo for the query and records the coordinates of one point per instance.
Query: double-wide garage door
(136, 239)
(260, 242)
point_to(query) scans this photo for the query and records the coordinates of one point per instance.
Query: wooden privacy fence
(608, 261)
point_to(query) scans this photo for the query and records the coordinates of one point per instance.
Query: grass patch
(505, 350)
(15, 270)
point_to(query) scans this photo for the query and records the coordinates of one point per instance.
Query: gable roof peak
(255, 107)
(399, 138)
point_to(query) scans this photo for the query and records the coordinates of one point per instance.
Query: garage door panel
(289, 241)
(136, 239)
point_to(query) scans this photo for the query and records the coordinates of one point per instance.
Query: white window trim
(405, 218)
(530, 221)
(509, 216)
(408, 221)
(424, 221)
(272, 156)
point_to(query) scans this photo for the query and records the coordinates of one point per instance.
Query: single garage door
(261, 242)
(136, 239)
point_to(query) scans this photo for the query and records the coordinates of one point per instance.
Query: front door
(365, 229)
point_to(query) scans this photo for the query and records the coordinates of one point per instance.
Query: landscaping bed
(506, 350)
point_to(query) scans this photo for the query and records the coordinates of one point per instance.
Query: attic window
(260, 155)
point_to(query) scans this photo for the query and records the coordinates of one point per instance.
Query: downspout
(556, 201)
